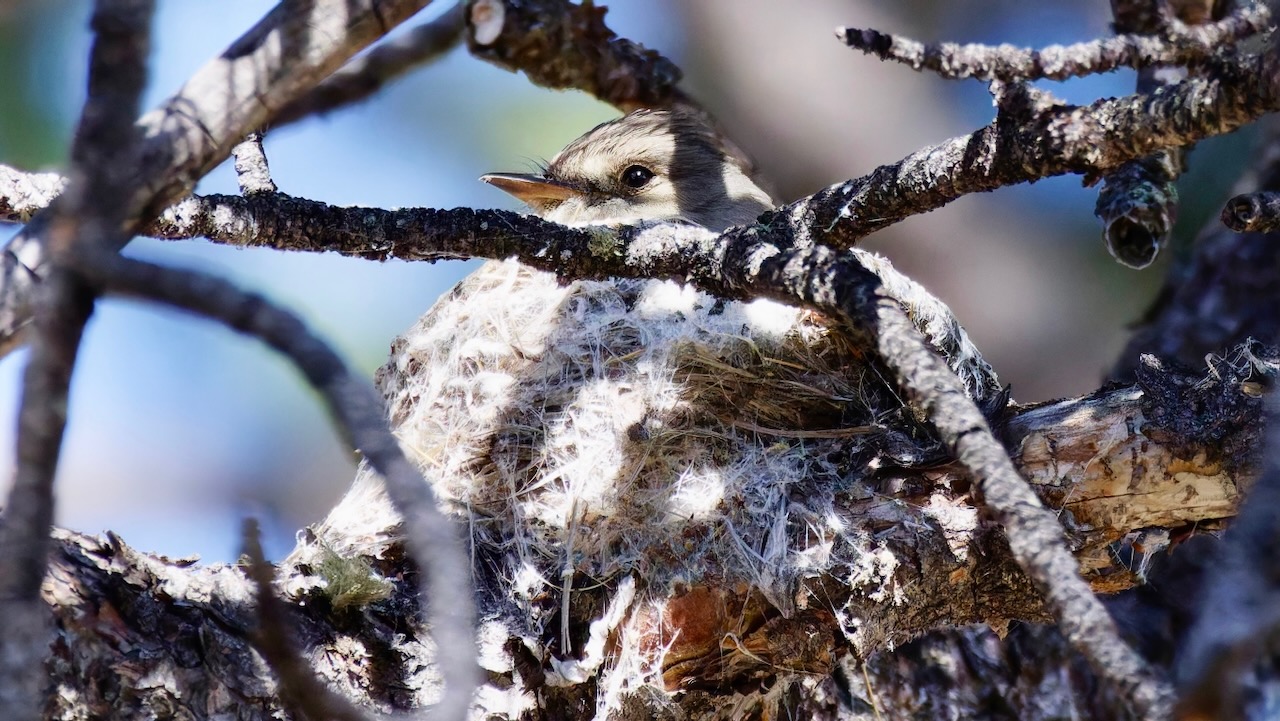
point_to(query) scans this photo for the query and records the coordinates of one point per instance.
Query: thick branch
(563, 45)
(89, 217)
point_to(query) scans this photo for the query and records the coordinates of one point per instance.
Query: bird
(648, 165)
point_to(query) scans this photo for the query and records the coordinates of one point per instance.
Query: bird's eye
(636, 176)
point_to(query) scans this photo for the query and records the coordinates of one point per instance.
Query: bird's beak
(531, 189)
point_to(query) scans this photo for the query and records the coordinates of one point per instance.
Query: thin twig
(430, 537)
(300, 690)
(385, 62)
(1059, 62)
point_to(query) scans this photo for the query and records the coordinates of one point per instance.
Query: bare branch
(386, 61)
(562, 45)
(358, 412)
(1030, 143)
(1057, 62)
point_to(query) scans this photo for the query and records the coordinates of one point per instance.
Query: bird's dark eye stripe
(636, 176)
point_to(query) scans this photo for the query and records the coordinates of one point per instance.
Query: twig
(1253, 212)
(1059, 62)
(194, 130)
(252, 172)
(358, 411)
(299, 687)
(1090, 140)
(88, 216)
(385, 62)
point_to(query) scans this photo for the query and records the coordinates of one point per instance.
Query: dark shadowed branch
(359, 414)
(88, 216)
(1223, 292)
(1240, 611)
(299, 688)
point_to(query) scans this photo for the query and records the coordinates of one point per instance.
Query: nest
(640, 431)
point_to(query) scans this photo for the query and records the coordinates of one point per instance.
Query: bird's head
(647, 165)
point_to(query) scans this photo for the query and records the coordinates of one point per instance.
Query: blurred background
(179, 428)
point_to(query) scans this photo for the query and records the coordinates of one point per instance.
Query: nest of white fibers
(636, 428)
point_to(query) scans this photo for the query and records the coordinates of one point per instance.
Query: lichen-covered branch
(252, 172)
(1182, 46)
